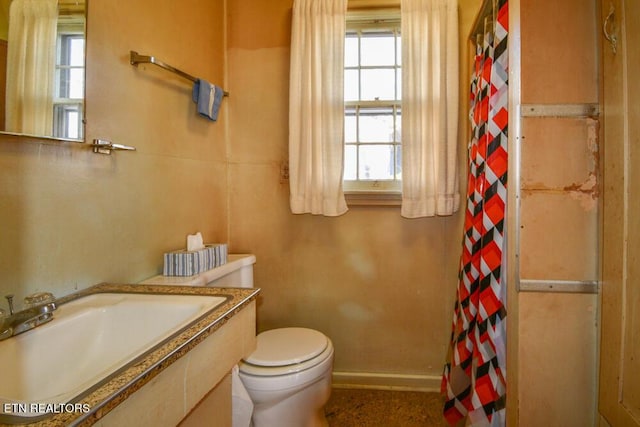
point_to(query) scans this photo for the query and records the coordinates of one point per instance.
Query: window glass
(350, 162)
(68, 102)
(351, 85)
(350, 126)
(351, 51)
(376, 162)
(377, 84)
(372, 125)
(378, 49)
(376, 125)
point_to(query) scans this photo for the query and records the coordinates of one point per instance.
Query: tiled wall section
(559, 215)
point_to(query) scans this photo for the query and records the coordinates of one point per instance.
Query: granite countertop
(119, 386)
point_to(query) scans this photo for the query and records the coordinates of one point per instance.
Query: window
(372, 91)
(68, 101)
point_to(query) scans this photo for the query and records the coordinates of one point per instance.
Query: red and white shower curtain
(474, 378)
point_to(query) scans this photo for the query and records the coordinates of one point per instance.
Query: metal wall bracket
(102, 146)
(559, 110)
(562, 286)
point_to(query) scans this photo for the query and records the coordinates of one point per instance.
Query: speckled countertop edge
(127, 381)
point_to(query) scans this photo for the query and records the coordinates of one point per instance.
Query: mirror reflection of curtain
(31, 66)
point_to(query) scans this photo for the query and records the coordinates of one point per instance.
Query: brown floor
(382, 408)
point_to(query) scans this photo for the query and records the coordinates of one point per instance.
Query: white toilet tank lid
(287, 346)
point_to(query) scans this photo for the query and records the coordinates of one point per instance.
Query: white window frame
(363, 191)
(71, 26)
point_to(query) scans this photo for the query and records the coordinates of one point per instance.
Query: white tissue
(194, 242)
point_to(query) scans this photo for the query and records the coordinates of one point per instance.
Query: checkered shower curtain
(474, 378)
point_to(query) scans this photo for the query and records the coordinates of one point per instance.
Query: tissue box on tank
(189, 263)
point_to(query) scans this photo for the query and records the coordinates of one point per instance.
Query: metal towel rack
(136, 59)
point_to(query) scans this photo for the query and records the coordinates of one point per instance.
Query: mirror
(42, 68)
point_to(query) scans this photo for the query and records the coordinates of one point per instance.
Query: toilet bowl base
(305, 408)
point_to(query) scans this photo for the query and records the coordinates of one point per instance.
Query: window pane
(378, 84)
(372, 122)
(351, 50)
(376, 161)
(376, 125)
(350, 125)
(351, 85)
(62, 80)
(76, 83)
(350, 162)
(76, 52)
(73, 124)
(398, 162)
(378, 49)
(67, 121)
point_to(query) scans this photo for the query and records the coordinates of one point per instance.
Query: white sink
(89, 340)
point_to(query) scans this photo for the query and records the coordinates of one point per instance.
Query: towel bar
(136, 58)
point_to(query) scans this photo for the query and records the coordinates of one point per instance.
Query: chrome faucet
(10, 302)
(39, 311)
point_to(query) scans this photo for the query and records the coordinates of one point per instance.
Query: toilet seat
(285, 351)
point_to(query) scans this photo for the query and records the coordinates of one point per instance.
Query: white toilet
(288, 376)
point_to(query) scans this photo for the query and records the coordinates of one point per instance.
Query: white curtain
(31, 66)
(316, 107)
(429, 108)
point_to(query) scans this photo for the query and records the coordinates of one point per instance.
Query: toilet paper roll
(241, 404)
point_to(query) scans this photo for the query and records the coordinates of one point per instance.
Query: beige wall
(4, 19)
(380, 286)
(71, 218)
(557, 332)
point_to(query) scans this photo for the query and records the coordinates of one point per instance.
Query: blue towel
(208, 98)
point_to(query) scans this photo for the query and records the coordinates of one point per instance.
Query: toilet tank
(236, 273)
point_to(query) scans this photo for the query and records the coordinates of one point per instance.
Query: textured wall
(71, 218)
(380, 286)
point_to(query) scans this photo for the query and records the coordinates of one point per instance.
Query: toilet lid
(287, 346)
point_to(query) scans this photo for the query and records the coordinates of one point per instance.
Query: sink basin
(89, 340)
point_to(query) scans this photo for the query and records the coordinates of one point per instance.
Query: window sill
(373, 198)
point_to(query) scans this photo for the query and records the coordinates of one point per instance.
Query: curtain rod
(486, 9)
(372, 4)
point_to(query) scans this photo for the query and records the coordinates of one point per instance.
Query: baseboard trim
(371, 380)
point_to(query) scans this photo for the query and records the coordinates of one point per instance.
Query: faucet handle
(38, 298)
(10, 301)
